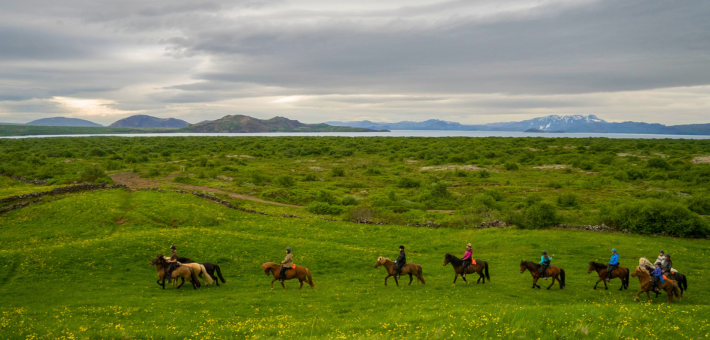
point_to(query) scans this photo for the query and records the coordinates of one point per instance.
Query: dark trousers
(543, 270)
(465, 265)
(610, 268)
(398, 268)
(282, 274)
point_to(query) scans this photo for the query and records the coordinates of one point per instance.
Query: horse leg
(282, 284)
(410, 279)
(552, 283)
(183, 282)
(456, 276)
(387, 277)
(605, 286)
(595, 285)
(272, 283)
(649, 297)
(622, 283)
(396, 281)
(301, 282)
(535, 282)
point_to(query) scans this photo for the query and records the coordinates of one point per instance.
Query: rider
(401, 261)
(667, 265)
(466, 260)
(545, 262)
(612, 265)
(286, 264)
(173, 259)
(661, 257)
(657, 276)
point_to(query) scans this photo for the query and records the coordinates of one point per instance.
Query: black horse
(210, 267)
(480, 268)
(682, 281)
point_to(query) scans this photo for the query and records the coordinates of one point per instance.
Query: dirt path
(134, 181)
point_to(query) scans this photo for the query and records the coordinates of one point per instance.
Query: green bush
(461, 173)
(533, 199)
(406, 182)
(495, 194)
(349, 200)
(285, 181)
(568, 200)
(374, 171)
(658, 163)
(511, 166)
(326, 197)
(93, 174)
(337, 172)
(554, 185)
(439, 190)
(655, 216)
(309, 178)
(540, 215)
(183, 180)
(483, 174)
(700, 205)
(324, 208)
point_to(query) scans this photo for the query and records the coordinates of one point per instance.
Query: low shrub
(483, 174)
(285, 181)
(309, 178)
(655, 216)
(324, 208)
(568, 200)
(511, 166)
(406, 182)
(349, 200)
(700, 205)
(337, 172)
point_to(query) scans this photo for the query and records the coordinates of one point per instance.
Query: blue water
(394, 133)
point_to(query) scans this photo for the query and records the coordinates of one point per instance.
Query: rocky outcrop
(23, 179)
(600, 227)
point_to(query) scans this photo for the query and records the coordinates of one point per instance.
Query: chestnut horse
(620, 272)
(181, 272)
(480, 268)
(300, 273)
(555, 272)
(670, 286)
(408, 269)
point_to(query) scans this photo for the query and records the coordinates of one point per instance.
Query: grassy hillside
(31, 130)
(77, 267)
(454, 182)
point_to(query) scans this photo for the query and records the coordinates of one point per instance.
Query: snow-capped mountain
(573, 123)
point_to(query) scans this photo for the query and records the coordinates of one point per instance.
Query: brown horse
(556, 273)
(480, 268)
(199, 269)
(408, 269)
(670, 286)
(181, 272)
(300, 273)
(620, 272)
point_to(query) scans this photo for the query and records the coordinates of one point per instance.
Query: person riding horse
(545, 262)
(286, 264)
(612, 265)
(467, 258)
(657, 277)
(667, 265)
(173, 259)
(400, 262)
(661, 257)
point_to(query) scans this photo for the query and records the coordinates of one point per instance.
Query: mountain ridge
(569, 123)
(247, 124)
(63, 121)
(144, 121)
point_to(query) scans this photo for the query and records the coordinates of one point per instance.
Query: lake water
(394, 133)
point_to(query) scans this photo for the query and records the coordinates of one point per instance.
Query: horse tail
(207, 276)
(421, 275)
(562, 277)
(676, 291)
(193, 277)
(684, 281)
(310, 277)
(626, 280)
(486, 272)
(219, 273)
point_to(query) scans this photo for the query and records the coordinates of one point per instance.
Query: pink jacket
(467, 255)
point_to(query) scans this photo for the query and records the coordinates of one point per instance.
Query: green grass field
(68, 270)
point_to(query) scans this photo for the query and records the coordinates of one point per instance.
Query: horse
(300, 273)
(670, 286)
(408, 269)
(211, 268)
(676, 276)
(480, 268)
(555, 272)
(199, 269)
(620, 272)
(181, 272)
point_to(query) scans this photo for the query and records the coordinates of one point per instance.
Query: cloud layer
(470, 61)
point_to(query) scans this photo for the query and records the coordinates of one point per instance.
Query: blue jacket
(614, 260)
(658, 272)
(545, 261)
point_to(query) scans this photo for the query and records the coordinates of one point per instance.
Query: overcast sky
(468, 61)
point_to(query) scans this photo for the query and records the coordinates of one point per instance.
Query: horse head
(159, 259)
(380, 262)
(592, 267)
(447, 259)
(523, 266)
(266, 267)
(636, 272)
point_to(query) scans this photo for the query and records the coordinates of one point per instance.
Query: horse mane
(528, 263)
(598, 265)
(644, 269)
(645, 262)
(382, 260)
(454, 260)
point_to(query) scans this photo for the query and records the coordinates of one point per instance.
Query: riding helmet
(288, 250)
(172, 247)
(662, 252)
(613, 250)
(544, 251)
(401, 247)
(659, 263)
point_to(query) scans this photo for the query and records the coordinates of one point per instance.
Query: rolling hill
(143, 121)
(246, 124)
(63, 121)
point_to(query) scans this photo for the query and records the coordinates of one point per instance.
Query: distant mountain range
(576, 123)
(143, 121)
(246, 124)
(62, 121)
